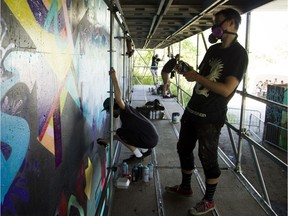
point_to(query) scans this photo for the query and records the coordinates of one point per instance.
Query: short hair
(231, 14)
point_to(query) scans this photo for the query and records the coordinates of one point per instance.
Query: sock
(143, 150)
(210, 190)
(186, 181)
(137, 153)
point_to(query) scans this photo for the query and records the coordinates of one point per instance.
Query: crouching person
(137, 132)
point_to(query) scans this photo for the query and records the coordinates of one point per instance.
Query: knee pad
(212, 173)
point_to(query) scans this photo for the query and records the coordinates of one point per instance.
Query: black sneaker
(147, 153)
(133, 159)
(166, 96)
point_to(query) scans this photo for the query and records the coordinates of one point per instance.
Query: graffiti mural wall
(54, 78)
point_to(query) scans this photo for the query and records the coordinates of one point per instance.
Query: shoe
(166, 96)
(147, 153)
(180, 191)
(102, 142)
(202, 207)
(133, 159)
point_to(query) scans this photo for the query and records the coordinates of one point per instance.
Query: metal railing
(251, 121)
(276, 136)
(248, 126)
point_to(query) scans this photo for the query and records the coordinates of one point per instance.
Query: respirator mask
(217, 32)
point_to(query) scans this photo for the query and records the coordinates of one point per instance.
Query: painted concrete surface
(54, 79)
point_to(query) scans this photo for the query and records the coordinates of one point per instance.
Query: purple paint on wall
(40, 13)
(57, 136)
(6, 150)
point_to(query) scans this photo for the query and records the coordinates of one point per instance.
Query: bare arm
(224, 89)
(117, 91)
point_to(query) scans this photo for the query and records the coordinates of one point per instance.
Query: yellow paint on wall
(63, 97)
(48, 143)
(48, 138)
(88, 176)
(58, 58)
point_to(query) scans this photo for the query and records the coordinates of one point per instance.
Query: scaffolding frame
(247, 120)
(262, 197)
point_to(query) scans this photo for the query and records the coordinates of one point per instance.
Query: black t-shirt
(138, 124)
(154, 64)
(206, 106)
(168, 67)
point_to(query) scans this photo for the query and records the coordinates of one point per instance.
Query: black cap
(106, 104)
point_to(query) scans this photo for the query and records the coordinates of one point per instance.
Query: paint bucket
(175, 117)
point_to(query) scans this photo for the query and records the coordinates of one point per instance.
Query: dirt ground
(274, 177)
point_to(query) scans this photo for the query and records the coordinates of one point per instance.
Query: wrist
(197, 76)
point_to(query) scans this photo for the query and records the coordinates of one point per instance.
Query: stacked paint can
(125, 169)
(140, 171)
(144, 173)
(151, 170)
(135, 174)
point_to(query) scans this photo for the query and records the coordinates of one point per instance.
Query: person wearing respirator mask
(218, 31)
(220, 72)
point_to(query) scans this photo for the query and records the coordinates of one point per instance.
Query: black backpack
(152, 106)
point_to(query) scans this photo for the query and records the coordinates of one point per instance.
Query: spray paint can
(140, 171)
(145, 174)
(125, 171)
(151, 114)
(157, 114)
(135, 174)
(151, 171)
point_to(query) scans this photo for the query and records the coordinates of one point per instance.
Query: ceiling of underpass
(160, 23)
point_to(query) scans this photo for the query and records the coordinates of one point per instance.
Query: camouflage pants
(207, 136)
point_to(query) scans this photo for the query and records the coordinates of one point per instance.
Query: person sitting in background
(137, 132)
(165, 73)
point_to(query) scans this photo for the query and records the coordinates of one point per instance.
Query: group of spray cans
(139, 172)
(154, 114)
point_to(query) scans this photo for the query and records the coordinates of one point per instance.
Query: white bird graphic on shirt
(215, 73)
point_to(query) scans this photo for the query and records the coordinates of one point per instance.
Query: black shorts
(135, 139)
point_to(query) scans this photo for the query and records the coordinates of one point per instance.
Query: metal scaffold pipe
(108, 179)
